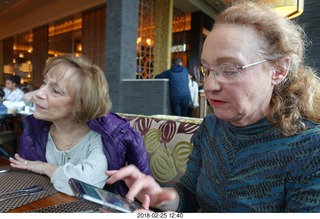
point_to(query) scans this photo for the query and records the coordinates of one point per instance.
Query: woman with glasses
(260, 150)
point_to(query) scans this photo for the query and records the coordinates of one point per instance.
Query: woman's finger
(146, 202)
(130, 171)
(143, 183)
(17, 157)
(19, 162)
(111, 172)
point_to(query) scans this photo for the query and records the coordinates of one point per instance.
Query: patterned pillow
(168, 143)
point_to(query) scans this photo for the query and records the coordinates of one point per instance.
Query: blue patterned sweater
(251, 169)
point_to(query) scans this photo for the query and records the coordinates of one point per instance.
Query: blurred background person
(12, 90)
(178, 87)
(3, 108)
(2, 94)
(194, 95)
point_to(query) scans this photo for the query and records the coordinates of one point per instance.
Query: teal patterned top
(251, 169)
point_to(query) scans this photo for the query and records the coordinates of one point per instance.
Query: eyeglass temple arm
(255, 63)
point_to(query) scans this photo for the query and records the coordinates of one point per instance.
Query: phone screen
(103, 197)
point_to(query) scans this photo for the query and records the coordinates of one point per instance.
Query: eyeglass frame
(217, 74)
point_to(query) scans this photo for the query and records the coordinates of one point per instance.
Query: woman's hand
(34, 166)
(143, 187)
(28, 97)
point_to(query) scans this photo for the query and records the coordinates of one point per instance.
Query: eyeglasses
(224, 73)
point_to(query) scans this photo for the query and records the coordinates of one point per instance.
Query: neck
(65, 137)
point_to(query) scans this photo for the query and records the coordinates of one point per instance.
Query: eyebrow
(222, 60)
(53, 82)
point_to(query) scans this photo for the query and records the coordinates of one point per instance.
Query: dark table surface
(51, 200)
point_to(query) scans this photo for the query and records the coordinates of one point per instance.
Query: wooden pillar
(94, 35)
(39, 54)
(199, 21)
(7, 55)
(163, 36)
(1, 63)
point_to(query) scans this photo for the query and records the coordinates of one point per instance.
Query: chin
(222, 114)
(37, 115)
(227, 117)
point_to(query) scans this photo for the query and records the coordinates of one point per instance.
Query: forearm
(28, 97)
(50, 169)
(62, 174)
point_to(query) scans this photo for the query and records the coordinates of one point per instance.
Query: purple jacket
(122, 144)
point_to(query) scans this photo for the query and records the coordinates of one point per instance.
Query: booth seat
(168, 142)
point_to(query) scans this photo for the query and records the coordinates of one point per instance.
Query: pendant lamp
(288, 8)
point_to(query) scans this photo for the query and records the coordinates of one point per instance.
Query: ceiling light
(288, 8)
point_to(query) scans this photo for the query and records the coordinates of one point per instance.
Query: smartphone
(105, 198)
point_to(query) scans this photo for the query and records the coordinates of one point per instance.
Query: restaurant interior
(32, 31)
(131, 40)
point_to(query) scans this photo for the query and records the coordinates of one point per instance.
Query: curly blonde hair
(297, 97)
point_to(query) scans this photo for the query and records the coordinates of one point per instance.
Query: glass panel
(145, 40)
(65, 37)
(22, 57)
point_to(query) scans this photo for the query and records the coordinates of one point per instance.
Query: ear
(280, 70)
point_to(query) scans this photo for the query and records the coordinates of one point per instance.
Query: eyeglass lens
(223, 73)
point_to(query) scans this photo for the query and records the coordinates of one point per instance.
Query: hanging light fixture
(8, 69)
(288, 8)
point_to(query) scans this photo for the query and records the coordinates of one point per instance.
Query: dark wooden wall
(310, 22)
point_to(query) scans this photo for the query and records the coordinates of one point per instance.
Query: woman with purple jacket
(71, 132)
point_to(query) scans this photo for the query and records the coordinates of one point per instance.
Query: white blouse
(85, 161)
(194, 92)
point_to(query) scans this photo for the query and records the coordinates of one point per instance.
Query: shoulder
(311, 135)
(110, 119)
(19, 90)
(312, 129)
(209, 125)
(109, 123)
(194, 85)
(92, 135)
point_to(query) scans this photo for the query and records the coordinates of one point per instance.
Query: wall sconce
(148, 41)
(8, 69)
(26, 67)
(289, 8)
(144, 41)
(29, 49)
(79, 47)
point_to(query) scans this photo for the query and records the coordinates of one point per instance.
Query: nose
(40, 93)
(211, 83)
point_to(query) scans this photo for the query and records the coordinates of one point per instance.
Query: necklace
(68, 146)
